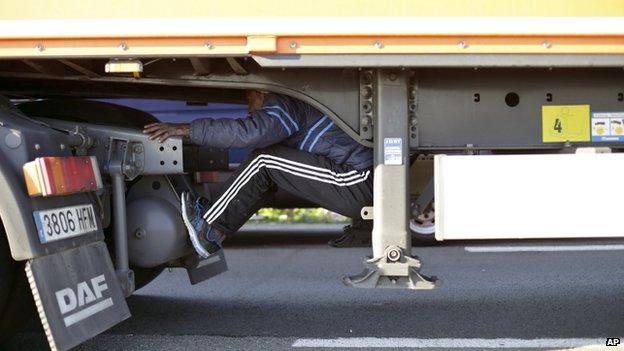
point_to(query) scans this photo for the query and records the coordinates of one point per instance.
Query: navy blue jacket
(288, 121)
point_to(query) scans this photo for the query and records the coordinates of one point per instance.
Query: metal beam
(440, 60)
(392, 265)
(236, 67)
(201, 66)
(38, 67)
(78, 68)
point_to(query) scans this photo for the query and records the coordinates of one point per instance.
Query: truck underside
(465, 107)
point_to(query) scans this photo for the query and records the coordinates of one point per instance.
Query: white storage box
(529, 196)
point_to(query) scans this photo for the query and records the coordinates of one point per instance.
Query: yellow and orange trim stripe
(237, 36)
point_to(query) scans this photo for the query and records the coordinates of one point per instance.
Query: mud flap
(77, 294)
(199, 269)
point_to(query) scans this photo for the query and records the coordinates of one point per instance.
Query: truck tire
(422, 234)
(423, 229)
(16, 303)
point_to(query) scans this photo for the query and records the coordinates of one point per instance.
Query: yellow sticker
(562, 123)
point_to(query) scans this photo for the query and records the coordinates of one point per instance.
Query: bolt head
(123, 46)
(378, 44)
(40, 47)
(208, 45)
(462, 44)
(366, 92)
(367, 107)
(293, 45)
(13, 140)
(140, 233)
(37, 146)
(546, 44)
(394, 255)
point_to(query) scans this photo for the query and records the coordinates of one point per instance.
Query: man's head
(254, 99)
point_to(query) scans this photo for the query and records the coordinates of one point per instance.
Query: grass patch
(298, 215)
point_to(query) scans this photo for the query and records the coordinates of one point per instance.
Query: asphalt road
(284, 290)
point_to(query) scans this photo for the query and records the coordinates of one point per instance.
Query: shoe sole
(191, 231)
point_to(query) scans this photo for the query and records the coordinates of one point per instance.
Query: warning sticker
(561, 123)
(393, 151)
(607, 126)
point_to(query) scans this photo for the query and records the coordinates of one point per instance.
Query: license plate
(65, 222)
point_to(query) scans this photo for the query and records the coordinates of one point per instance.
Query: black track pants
(339, 188)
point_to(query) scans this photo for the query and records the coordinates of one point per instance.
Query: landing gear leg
(392, 264)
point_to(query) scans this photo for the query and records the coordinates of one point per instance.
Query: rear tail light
(49, 176)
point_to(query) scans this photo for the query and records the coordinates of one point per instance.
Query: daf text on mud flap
(87, 293)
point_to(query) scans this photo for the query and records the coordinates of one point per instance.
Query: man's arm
(269, 125)
(261, 128)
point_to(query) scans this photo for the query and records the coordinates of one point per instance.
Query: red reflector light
(48, 176)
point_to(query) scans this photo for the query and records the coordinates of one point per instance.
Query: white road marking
(544, 248)
(445, 343)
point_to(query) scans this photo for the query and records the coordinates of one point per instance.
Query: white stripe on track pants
(315, 178)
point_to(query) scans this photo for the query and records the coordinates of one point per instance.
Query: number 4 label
(557, 126)
(561, 123)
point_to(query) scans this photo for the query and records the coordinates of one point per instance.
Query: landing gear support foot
(392, 270)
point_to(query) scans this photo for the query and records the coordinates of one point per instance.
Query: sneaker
(202, 235)
(357, 234)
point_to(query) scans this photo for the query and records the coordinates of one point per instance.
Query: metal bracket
(125, 157)
(367, 213)
(367, 103)
(412, 108)
(79, 140)
(138, 154)
(392, 270)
